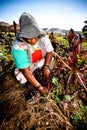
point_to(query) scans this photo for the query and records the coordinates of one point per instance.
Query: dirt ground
(32, 113)
(20, 110)
(39, 112)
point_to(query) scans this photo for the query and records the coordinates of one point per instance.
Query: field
(63, 108)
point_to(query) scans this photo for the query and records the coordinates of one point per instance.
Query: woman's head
(32, 41)
(28, 27)
(26, 19)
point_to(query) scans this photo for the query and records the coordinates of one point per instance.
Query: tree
(84, 30)
(85, 21)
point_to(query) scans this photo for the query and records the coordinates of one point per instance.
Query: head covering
(29, 27)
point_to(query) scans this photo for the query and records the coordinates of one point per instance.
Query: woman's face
(32, 41)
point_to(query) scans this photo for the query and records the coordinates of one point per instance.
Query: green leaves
(80, 116)
(6, 59)
(68, 98)
(57, 90)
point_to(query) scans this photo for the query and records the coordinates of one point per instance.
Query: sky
(62, 14)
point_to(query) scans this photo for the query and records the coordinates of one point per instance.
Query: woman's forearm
(30, 77)
(48, 58)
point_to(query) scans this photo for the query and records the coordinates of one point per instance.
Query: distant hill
(59, 31)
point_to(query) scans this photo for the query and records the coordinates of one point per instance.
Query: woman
(31, 49)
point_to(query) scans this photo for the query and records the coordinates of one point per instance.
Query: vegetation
(61, 109)
(79, 118)
(6, 59)
(84, 30)
(58, 91)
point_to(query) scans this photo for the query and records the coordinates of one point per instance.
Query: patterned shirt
(21, 55)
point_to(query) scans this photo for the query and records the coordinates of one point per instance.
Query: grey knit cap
(29, 27)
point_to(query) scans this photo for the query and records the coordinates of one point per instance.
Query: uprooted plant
(75, 61)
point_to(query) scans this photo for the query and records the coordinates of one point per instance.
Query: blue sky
(63, 14)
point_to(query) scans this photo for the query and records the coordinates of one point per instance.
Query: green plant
(5, 54)
(84, 46)
(68, 98)
(80, 116)
(85, 33)
(62, 46)
(75, 62)
(6, 59)
(57, 91)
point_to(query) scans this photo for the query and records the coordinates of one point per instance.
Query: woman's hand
(46, 71)
(42, 90)
(30, 77)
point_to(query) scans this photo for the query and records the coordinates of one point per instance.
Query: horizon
(62, 14)
(46, 27)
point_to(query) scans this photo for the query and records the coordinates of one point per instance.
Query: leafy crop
(79, 117)
(6, 59)
(58, 89)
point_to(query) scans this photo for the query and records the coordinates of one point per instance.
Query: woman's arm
(47, 62)
(30, 77)
(48, 58)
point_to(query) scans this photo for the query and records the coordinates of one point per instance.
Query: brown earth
(36, 113)
(16, 113)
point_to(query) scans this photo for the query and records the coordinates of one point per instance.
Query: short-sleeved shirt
(21, 55)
